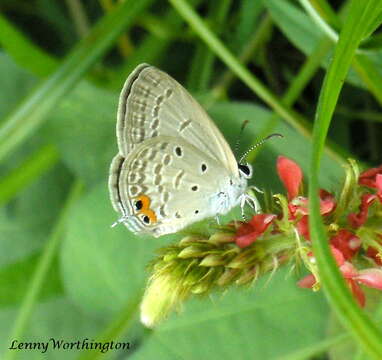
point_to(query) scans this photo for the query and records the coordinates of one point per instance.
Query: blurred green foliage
(64, 273)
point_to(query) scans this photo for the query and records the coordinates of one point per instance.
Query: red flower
(373, 253)
(370, 277)
(290, 174)
(346, 242)
(356, 220)
(373, 178)
(368, 177)
(303, 227)
(250, 231)
(301, 204)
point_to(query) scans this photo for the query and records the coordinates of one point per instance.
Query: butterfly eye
(246, 170)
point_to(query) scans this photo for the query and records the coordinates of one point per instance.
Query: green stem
(80, 19)
(309, 68)
(38, 163)
(250, 48)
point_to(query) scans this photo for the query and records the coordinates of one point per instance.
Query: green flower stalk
(244, 251)
(197, 265)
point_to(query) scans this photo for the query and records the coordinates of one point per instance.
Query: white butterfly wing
(153, 104)
(175, 182)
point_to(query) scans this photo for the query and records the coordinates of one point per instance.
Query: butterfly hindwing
(165, 184)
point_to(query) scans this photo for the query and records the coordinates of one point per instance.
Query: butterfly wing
(153, 104)
(165, 184)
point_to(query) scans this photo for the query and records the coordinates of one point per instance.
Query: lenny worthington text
(56, 344)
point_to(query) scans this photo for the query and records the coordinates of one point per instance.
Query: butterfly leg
(251, 199)
(243, 201)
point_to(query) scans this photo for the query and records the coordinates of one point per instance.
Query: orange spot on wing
(145, 201)
(150, 214)
(145, 210)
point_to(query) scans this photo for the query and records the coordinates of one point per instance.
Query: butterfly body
(173, 167)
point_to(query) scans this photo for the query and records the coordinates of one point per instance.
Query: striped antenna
(237, 144)
(261, 142)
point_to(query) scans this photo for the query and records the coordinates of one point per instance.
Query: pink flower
(250, 231)
(368, 177)
(369, 277)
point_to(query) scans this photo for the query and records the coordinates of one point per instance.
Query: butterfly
(173, 166)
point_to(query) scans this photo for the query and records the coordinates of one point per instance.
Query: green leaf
(84, 130)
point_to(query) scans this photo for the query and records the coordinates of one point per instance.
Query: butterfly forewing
(154, 104)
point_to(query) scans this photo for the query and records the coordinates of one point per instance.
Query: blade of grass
(38, 163)
(79, 16)
(23, 51)
(310, 67)
(125, 45)
(327, 12)
(320, 15)
(151, 48)
(294, 119)
(254, 43)
(43, 266)
(33, 110)
(363, 63)
(320, 21)
(353, 318)
(201, 70)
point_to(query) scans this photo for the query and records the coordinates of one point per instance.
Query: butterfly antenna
(261, 142)
(237, 144)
